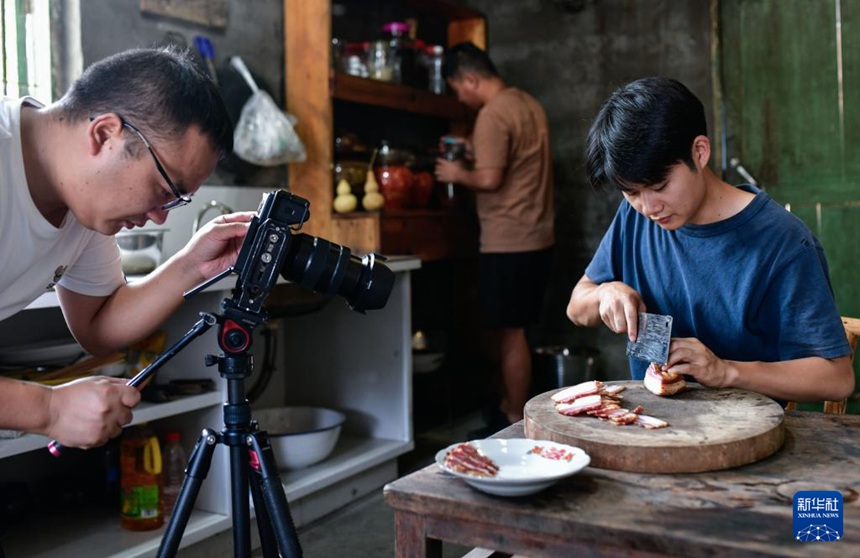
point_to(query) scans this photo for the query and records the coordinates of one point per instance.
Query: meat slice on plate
(465, 458)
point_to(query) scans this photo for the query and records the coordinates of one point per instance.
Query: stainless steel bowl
(141, 250)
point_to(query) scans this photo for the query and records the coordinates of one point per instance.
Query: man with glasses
(132, 139)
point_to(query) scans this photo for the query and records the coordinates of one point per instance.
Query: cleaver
(652, 343)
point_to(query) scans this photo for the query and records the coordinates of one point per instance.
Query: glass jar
(354, 172)
(394, 176)
(380, 65)
(452, 149)
(402, 49)
(423, 181)
(351, 161)
(419, 72)
(338, 54)
(354, 61)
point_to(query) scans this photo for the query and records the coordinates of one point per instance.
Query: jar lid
(398, 26)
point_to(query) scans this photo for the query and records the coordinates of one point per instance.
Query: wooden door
(788, 78)
(790, 88)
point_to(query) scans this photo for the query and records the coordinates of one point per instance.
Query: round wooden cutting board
(709, 429)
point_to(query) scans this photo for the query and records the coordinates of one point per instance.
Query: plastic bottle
(435, 63)
(175, 462)
(140, 480)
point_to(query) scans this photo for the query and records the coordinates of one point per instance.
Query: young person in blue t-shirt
(745, 280)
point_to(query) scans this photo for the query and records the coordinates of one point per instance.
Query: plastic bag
(265, 135)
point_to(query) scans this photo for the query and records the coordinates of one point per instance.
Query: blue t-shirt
(753, 287)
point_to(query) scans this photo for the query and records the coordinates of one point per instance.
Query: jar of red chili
(423, 181)
(394, 176)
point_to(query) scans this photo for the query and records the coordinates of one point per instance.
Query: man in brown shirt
(513, 186)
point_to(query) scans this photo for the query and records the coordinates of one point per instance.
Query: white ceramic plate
(525, 466)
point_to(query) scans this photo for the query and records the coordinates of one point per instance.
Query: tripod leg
(265, 475)
(195, 474)
(239, 495)
(268, 542)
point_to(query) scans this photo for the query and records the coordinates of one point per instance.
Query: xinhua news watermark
(818, 516)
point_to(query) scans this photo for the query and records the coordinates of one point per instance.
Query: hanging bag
(264, 135)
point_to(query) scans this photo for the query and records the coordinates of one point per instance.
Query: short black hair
(466, 57)
(161, 91)
(641, 131)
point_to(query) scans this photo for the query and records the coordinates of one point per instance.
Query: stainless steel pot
(558, 366)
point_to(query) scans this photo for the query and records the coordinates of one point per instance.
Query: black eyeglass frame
(180, 198)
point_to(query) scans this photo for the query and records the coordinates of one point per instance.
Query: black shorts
(512, 286)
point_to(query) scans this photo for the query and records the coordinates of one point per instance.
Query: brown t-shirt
(511, 133)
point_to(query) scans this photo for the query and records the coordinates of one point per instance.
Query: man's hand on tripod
(88, 412)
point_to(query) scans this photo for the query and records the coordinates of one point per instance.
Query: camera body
(271, 249)
(265, 247)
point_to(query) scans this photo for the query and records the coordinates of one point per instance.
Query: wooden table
(745, 511)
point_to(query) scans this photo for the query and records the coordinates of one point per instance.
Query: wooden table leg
(410, 537)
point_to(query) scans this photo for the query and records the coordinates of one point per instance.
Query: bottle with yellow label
(140, 479)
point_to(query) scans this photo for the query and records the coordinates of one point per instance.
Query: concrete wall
(570, 54)
(255, 32)
(570, 60)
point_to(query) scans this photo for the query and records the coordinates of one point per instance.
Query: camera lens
(325, 267)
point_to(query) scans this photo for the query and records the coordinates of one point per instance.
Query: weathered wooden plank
(307, 47)
(213, 13)
(746, 511)
(411, 537)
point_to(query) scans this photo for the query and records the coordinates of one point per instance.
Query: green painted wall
(790, 73)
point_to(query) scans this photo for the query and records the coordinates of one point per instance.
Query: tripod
(267, 252)
(252, 462)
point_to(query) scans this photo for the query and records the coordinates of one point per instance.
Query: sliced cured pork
(603, 402)
(465, 458)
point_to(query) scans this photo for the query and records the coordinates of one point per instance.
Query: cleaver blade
(652, 343)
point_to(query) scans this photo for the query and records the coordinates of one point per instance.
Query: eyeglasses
(180, 199)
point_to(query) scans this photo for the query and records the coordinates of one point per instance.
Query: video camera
(271, 249)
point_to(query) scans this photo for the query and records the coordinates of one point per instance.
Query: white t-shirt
(34, 254)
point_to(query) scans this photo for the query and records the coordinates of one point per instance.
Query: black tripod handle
(206, 321)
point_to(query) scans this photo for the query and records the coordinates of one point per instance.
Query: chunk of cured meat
(465, 458)
(663, 383)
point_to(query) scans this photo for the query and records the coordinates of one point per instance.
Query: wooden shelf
(398, 97)
(144, 413)
(312, 90)
(96, 531)
(425, 233)
(431, 235)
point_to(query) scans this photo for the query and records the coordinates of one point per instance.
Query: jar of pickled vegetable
(395, 177)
